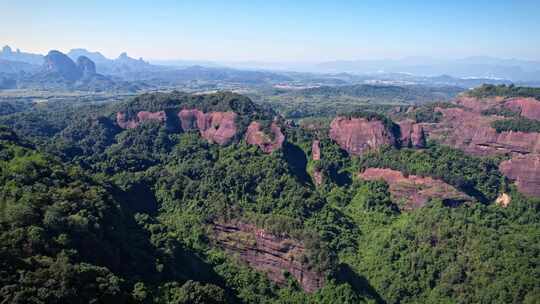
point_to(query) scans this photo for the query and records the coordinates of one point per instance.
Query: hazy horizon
(304, 32)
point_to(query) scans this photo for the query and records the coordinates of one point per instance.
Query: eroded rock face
(357, 135)
(142, 116)
(219, 127)
(318, 175)
(472, 133)
(527, 107)
(267, 142)
(412, 134)
(478, 105)
(268, 253)
(216, 127)
(525, 171)
(315, 150)
(191, 119)
(415, 191)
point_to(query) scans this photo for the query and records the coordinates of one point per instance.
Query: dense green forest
(331, 100)
(490, 90)
(521, 124)
(92, 213)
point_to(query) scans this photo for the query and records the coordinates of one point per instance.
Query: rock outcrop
(467, 129)
(412, 134)
(315, 150)
(358, 135)
(216, 127)
(268, 253)
(472, 133)
(526, 107)
(318, 175)
(525, 171)
(415, 191)
(267, 142)
(125, 123)
(478, 105)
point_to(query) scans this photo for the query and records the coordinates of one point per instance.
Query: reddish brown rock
(525, 171)
(357, 135)
(315, 150)
(191, 119)
(219, 127)
(268, 253)
(412, 134)
(142, 116)
(472, 133)
(414, 191)
(527, 107)
(478, 105)
(267, 143)
(318, 177)
(216, 127)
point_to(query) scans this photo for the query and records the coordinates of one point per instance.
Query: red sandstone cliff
(414, 191)
(142, 116)
(478, 105)
(412, 134)
(216, 127)
(472, 133)
(268, 253)
(318, 175)
(315, 150)
(525, 170)
(527, 107)
(267, 142)
(357, 135)
(467, 129)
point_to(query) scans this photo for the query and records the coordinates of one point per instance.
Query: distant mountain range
(81, 69)
(21, 70)
(471, 67)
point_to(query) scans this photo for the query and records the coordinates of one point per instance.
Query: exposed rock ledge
(358, 135)
(472, 133)
(412, 134)
(525, 170)
(216, 127)
(415, 191)
(318, 175)
(267, 142)
(268, 253)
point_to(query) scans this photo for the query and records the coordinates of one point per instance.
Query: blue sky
(276, 30)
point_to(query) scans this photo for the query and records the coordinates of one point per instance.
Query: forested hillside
(181, 198)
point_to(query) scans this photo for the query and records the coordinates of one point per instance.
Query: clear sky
(276, 30)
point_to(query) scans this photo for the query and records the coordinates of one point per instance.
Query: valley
(231, 200)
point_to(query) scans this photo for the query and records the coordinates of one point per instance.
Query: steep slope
(415, 191)
(357, 135)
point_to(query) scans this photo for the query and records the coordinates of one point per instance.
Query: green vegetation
(428, 112)
(387, 122)
(500, 112)
(489, 90)
(93, 213)
(478, 177)
(328, 101)
(520, 124)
